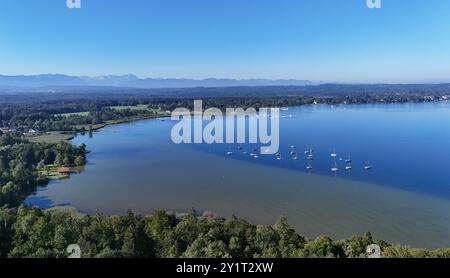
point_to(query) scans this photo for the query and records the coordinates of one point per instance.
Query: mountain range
(132, 81)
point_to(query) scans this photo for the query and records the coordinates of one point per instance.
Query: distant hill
(131, 81)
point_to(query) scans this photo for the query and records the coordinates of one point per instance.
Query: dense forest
(56, 116)
(33, 233)
(322, 90)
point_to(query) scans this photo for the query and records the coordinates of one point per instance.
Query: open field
(51, 137)
(81, 114)
(131, 107)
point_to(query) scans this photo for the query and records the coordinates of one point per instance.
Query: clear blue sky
(321, 40)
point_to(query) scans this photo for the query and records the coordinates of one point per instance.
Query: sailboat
(368, 166)
(333, 154)
(335, 168)
(348, 160)
(348, 164)
(294, 154)
(348, 167)
(309, 154)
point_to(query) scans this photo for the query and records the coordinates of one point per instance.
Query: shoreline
(52, 137)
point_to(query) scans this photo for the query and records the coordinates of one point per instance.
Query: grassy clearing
(139, 107)
(81, 114)
(51, 137)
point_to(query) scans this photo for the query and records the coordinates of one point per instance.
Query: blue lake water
(405, 198)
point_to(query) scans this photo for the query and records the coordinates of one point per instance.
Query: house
(64, 170)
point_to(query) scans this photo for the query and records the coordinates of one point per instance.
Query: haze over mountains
(131, 81)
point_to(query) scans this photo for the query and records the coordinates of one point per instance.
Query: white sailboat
(348, 164)
(279, 157)
(333, 154)
(348, 167)
(348, 160)
(310, 154)
(368, 166)
(335, 168)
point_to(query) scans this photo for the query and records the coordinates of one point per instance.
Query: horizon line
(314, 82)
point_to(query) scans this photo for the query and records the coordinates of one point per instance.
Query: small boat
(348, 160)
(333, 154)
(309, 167)
(293, 147)
(348, 164)
(310, 154)
(335, 168)
(294, 158)
(229, 153)
(293, 153)
(367, 167)
(255, 157)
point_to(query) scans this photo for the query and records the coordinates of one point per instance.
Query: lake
(404, 198)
